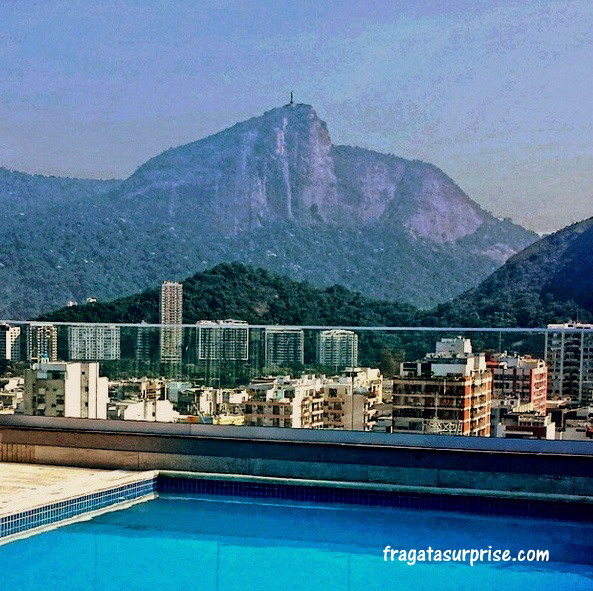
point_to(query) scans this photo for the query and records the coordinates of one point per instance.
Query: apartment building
(526, 425)
(282, 401)
(171, 316)
(138, 388)
(71, 389)
(160, 411)
(518, 380)
(9, 342)
(569, 356)
(316, 402)
(142, 351)
(222, 340)
(42, 342)
(94, 343)
(337, 349)
(447, 392)
(351, 399)
(284, 347)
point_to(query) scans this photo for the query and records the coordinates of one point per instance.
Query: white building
(9, 342)
(569, 355)
(160, 411)
(223, 340)
(453, 356)
(66, 390)
(337, 348)
(284, 347)
(94, 343)
(346, 401)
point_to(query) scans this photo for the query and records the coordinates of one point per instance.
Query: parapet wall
(460, 465)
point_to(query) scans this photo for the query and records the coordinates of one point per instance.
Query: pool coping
(78, 499)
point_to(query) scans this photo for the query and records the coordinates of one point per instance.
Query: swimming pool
(208, 542)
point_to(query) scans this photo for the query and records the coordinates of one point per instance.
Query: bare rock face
(274, 192)
(282, 166)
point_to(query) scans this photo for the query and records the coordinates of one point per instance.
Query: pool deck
(27, 486)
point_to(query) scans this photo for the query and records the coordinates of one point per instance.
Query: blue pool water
(231, 543)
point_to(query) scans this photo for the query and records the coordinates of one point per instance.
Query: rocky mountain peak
(271, 191)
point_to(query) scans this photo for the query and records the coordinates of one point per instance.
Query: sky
(498, 93)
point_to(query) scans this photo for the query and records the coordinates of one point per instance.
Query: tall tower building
(142, 352)
(171, 317)
(42, 342)
(284, 347)
(337, 348)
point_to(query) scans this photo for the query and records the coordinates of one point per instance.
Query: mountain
(550, 281)
(24, 194)
(271, 192)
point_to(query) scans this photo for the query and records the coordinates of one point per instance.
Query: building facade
(284, 347)
(526, 425)
(346, 401)
(448, 392)
(569, 355)
(337, 348)
(223, 340)
(42, 342)
(519, 380)
(65, 390)
(10, 342)
(171, 317)
(94, 343)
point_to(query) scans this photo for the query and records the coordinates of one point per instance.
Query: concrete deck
(27, 486)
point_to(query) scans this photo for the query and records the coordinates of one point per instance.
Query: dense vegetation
(550, 281)
(233, 290)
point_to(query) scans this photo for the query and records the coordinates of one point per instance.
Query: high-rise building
(42, 342)
(284, 347)
(66, 390)
(223, 340)
(142, 351)
(9, 342)
(337, 348)
(94, 343)
(569, 355)
(171, 317)
(447, 392)
(519, 381)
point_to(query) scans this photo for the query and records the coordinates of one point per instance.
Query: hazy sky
(499, 94)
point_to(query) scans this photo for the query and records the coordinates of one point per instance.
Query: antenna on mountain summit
(291, 97)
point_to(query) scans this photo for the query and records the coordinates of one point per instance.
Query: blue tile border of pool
(571, 511)
(69, 508)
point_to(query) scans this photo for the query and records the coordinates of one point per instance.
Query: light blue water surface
(226, 544)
